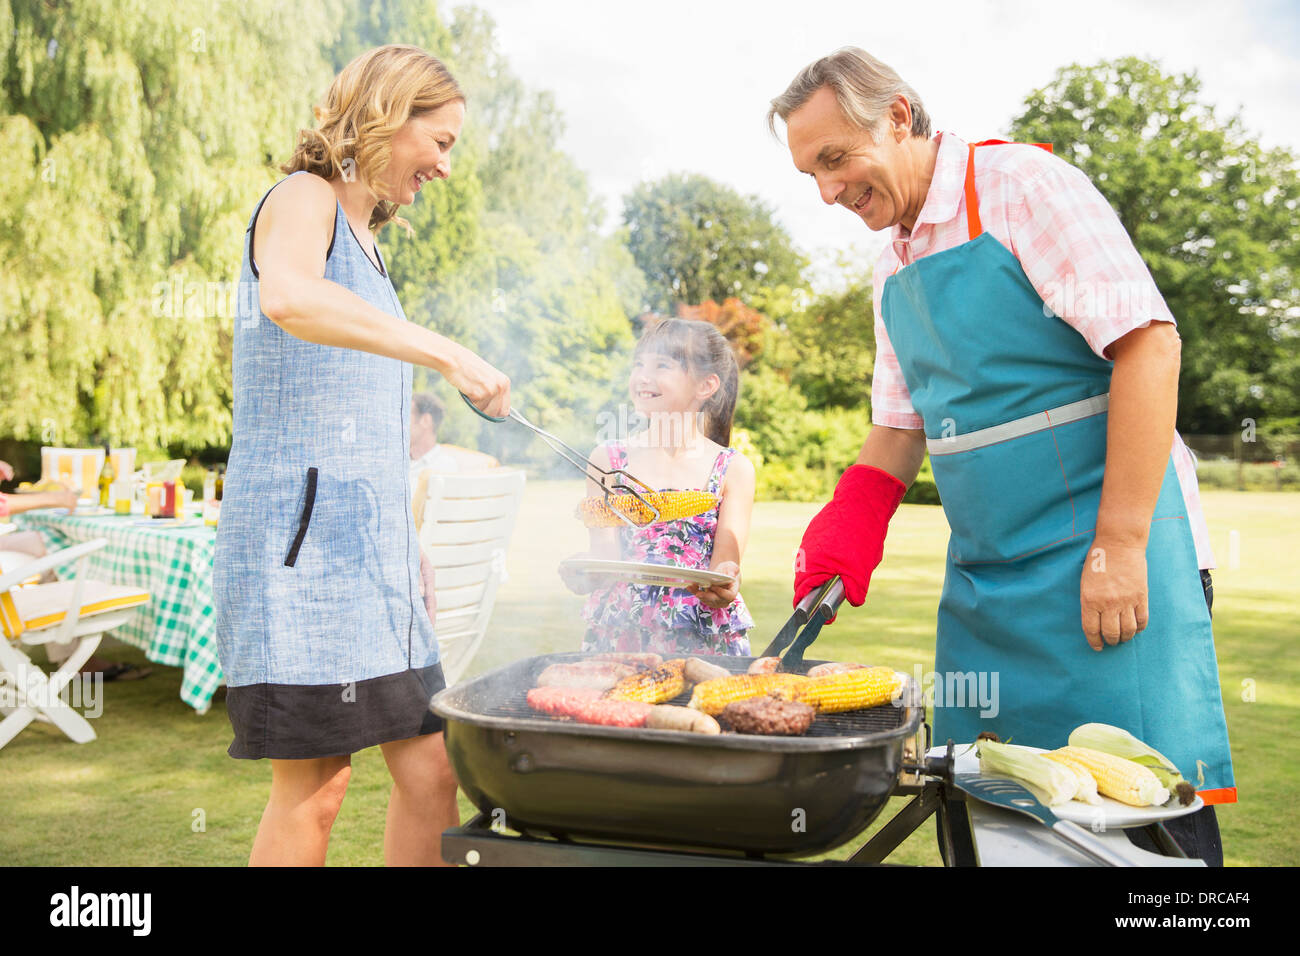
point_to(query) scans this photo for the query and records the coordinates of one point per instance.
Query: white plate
(661, 575)
(1110, 815)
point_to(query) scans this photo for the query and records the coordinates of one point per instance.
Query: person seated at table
(427, 413)
(23, 546)
(16, 502)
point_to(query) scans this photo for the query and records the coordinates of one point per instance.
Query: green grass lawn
(138, 794)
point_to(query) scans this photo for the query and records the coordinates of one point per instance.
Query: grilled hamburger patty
(768, 715)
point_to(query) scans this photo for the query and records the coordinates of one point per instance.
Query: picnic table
(174, 564)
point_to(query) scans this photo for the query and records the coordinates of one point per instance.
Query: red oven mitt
(847, 537)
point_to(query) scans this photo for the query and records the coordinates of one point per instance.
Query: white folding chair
(80, 610)
(465, 523)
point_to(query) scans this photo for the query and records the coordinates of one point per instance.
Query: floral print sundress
(623, 616)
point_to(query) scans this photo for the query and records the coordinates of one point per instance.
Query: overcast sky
(683, 85)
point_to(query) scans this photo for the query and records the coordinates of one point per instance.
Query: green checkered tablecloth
(174, 564)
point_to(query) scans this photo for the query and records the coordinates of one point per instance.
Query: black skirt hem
(310, 721)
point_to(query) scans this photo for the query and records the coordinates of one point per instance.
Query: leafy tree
(826, 348)
(742, 326)
(138, 136)
(696, 239)
(506, 256)
(1213, 214)
(134, 135)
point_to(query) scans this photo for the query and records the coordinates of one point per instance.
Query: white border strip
(1021, 426)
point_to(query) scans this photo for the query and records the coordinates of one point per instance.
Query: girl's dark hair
(703, 351)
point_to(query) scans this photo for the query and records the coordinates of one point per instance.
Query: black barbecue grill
(579, 794)
(754, 794)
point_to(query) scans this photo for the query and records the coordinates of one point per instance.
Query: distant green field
(130, 797)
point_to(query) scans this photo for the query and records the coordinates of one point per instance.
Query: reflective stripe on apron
(1014, 405)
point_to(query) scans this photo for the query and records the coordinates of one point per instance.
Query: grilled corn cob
(712, 696)
(652, 687)
(1118, 778)
(849, 690)
(671, 505)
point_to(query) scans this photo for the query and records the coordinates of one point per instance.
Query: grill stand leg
(954, 843)
(956, 839)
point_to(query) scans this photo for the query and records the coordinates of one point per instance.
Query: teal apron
(1014, 408)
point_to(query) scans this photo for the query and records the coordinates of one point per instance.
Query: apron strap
(973, 226)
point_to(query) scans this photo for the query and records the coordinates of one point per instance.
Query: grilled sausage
(596, 675)
(587, 707)
(765, 665)
(668, 717)
(613, 713)
(560, 701)
(648, 661)
(698, 671)
(833, 667)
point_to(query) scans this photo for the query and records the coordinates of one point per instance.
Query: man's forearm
(1140, 432)
(898, 451)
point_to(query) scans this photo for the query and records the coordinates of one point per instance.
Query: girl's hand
(577, 581)
(719, 595)
(487, 388)
(6, 471)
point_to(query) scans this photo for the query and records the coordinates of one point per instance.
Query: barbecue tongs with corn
(626, 497)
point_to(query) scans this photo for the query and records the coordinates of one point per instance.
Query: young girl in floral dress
(684, 381)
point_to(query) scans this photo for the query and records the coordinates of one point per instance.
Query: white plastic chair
(81, 611)
(465, 523)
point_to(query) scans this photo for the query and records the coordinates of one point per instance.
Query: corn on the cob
(1121, 743)
(1087, 783)
(1118, 778)
(849, 690)
(671, 505)
(1052, 782)
(652, 687)
(712, 696)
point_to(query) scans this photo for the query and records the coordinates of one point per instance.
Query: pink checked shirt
(1070, 244)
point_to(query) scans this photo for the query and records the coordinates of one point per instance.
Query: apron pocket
(1006, 500)
(309, 502)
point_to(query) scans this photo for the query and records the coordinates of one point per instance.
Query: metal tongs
(611, 481)
(817, 607)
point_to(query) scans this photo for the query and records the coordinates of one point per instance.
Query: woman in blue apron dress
(323, 634)
(1014, 404)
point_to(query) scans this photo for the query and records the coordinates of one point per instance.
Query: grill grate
(854, 723)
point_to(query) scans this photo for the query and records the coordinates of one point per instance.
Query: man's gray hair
(864, 87)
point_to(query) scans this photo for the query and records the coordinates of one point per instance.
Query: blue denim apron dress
(1014, 408)
(322, 633)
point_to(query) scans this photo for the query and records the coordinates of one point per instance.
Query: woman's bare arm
(290, 242)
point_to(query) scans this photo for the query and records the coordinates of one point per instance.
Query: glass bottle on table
(210, 498)
(106, 476)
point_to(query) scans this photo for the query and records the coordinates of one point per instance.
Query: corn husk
(1052, 782)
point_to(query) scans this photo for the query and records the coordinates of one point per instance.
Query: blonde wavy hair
(367, 103)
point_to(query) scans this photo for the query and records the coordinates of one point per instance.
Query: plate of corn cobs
(1105, 777)
(637, 572)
